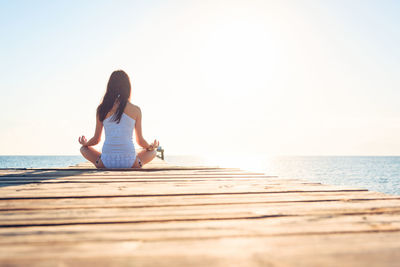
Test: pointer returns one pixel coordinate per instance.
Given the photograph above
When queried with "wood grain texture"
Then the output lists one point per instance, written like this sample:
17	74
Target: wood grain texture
190	216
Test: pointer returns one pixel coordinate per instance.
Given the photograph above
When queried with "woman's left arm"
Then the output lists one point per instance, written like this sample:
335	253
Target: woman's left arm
97	135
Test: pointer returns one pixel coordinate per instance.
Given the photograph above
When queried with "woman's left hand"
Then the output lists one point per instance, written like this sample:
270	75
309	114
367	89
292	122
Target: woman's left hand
82	140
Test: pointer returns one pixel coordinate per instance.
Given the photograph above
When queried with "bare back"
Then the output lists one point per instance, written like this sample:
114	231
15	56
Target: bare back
131	110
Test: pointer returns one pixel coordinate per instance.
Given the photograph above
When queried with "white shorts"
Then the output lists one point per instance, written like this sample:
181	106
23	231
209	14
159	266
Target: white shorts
118	160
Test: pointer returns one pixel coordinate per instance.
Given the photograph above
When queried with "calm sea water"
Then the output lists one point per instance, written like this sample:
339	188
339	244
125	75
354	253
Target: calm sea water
380	174
39	161
376	173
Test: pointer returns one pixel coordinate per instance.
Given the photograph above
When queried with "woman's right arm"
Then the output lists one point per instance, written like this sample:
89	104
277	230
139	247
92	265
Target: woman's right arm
139	135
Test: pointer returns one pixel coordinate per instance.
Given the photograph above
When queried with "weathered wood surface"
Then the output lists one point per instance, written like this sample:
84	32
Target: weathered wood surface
167	215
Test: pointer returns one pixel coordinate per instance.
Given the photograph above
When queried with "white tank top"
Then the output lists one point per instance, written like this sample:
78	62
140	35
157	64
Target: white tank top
118	143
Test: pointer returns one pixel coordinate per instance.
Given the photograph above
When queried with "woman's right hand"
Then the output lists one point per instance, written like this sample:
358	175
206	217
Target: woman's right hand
153	145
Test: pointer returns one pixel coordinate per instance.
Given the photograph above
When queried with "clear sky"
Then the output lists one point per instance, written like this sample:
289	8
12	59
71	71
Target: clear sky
272	77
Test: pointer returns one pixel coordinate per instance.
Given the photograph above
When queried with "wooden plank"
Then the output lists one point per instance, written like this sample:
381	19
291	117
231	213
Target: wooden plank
201	212
145	169
106	190
207	229
123	171
155	180
364	249
194	200
56	174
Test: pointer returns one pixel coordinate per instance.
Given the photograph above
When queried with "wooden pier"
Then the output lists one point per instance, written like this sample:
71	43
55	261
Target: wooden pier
166	215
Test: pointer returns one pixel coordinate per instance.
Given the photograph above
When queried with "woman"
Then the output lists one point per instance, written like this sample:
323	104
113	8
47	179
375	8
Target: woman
118	116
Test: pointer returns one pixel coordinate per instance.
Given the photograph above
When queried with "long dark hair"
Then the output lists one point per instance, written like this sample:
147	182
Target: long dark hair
118	89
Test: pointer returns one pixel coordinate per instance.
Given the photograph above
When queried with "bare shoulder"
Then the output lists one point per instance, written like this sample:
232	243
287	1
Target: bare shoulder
132	110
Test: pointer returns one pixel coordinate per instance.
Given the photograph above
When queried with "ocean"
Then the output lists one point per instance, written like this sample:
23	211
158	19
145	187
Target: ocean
376	173
39	161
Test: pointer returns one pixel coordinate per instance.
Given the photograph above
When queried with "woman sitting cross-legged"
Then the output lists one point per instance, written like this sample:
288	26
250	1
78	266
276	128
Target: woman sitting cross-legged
119	117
